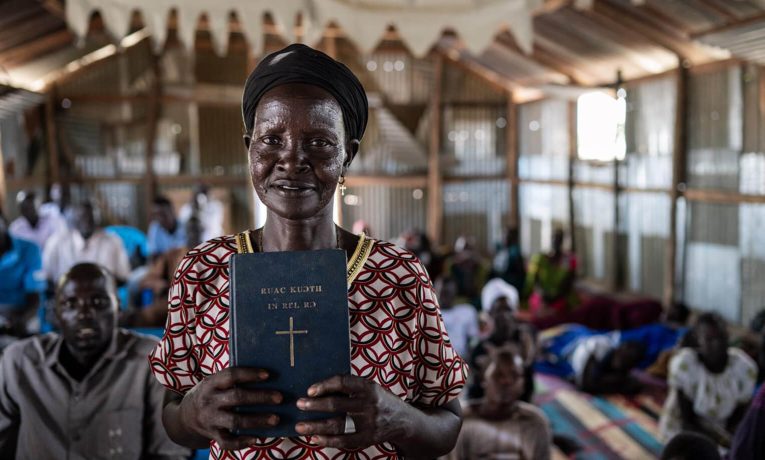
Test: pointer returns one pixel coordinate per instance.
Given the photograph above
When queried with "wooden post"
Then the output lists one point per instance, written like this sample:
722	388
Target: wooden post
572	154
616	255
3	189
511	133
54	169
678	180
155	97
435	189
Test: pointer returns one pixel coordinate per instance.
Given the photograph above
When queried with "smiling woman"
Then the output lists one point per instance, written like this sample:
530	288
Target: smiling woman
304	117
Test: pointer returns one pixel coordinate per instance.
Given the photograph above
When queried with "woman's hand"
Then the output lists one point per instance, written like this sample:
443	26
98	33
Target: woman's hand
378	415
207	410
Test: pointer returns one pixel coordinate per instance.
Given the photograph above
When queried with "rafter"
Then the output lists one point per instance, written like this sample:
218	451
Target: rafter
42	45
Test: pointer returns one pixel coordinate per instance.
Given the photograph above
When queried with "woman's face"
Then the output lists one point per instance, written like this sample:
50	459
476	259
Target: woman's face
298	150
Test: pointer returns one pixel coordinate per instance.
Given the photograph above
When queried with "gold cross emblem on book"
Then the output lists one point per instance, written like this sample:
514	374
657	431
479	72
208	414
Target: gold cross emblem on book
292	333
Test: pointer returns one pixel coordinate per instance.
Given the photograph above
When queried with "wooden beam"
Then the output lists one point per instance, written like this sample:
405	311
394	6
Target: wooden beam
492	78
54	172
435	186
678	182
54	7
26	51
572	156
3	185
722	197
154	114
511	157
388	181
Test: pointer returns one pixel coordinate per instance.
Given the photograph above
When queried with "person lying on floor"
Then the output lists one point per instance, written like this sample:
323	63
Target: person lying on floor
710	385
500	425
87	392
596	362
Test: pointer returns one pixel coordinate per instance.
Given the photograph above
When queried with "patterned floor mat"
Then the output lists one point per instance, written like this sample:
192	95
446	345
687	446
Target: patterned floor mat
606	428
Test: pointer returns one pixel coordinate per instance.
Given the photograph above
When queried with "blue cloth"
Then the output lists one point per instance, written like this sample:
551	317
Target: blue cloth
20	273
556	350
160	240
132	238
655	339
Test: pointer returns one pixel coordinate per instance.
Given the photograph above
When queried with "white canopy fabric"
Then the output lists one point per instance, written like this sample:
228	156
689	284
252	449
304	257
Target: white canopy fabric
418	22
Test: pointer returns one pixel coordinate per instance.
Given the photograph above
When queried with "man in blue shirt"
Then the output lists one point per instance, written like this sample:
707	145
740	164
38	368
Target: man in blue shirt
21	280
165	232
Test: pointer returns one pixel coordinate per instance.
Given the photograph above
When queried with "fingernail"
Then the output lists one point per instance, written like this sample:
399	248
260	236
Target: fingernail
277	398
273	420
302	403
262	375
312	391
301	428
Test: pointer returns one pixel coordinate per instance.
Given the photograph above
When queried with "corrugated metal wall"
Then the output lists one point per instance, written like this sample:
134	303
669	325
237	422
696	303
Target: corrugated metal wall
387	210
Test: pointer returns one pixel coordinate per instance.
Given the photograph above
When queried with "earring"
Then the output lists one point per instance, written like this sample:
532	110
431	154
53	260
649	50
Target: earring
342	185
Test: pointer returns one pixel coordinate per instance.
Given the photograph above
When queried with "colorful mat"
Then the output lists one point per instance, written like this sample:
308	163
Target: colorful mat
606	428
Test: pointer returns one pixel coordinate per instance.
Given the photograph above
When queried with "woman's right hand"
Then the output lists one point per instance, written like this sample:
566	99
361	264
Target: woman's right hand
208	409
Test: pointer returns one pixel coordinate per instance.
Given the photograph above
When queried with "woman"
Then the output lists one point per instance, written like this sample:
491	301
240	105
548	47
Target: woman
304	115
710	386
550	280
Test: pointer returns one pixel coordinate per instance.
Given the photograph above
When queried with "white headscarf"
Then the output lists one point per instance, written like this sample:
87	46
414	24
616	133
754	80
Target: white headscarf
497	288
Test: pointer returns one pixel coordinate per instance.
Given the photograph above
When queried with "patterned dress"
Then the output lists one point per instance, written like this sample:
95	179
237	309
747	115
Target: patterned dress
398	339
714	396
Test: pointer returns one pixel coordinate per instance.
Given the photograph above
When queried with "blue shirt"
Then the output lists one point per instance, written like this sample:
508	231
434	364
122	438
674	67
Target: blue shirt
160	240
132	238
20	273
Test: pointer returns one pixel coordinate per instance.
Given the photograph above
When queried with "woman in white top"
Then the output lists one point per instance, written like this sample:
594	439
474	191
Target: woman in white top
710	385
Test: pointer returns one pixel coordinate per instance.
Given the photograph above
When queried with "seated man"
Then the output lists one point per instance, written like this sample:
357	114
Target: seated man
21	280
165	231
88	392
85	242
499	425
31	225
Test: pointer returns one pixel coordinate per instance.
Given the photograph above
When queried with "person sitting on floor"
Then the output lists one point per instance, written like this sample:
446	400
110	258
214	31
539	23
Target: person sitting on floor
549	284
88	391
21	281
85	242
691	446
461	320
500	425
710	386
505	331
31	225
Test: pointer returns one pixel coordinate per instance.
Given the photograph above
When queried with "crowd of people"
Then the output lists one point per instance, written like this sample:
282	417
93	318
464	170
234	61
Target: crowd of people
532	317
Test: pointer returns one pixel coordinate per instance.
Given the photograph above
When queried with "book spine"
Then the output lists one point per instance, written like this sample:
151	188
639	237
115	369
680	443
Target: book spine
232	333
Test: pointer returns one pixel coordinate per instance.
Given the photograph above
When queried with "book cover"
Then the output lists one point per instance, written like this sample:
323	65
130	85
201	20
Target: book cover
289	315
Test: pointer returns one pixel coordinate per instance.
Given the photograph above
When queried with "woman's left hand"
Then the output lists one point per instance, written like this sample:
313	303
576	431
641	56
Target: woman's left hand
378	415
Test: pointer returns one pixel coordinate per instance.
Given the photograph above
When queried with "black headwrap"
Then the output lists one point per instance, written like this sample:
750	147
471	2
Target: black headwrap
299	63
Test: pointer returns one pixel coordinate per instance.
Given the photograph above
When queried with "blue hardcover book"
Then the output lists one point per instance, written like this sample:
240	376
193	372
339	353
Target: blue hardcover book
289	315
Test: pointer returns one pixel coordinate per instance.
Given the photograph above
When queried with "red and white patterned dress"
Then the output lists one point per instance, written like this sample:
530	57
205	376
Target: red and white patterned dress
397	337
